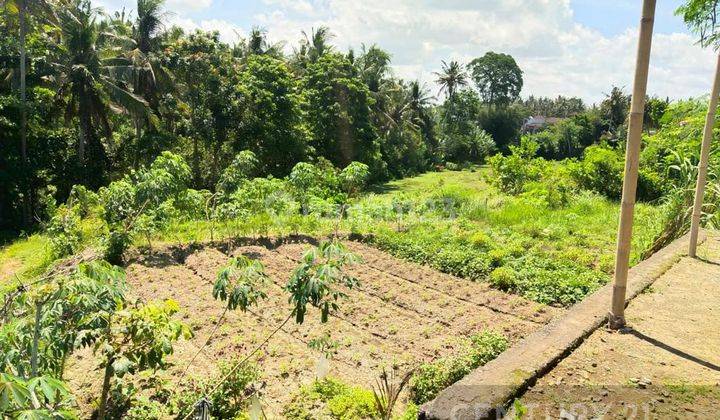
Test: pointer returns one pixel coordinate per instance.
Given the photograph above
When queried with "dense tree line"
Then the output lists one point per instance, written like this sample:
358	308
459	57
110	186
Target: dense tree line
100	95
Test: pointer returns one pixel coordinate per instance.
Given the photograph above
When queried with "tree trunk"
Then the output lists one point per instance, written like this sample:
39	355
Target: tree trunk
84	133
27	204
196	162
632	152
102	407
703	165
138	139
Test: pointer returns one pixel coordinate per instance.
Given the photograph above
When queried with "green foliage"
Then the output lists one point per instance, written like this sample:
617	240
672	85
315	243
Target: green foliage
83	199
431	378
64	231
232	397
243	167
511	173
497	77
136	339
229	400
315	281
43	397
701	17
601	170
354	178
330	398
338	110
239	283
273	124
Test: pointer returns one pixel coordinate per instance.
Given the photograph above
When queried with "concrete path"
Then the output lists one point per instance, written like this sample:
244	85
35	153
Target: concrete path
666	365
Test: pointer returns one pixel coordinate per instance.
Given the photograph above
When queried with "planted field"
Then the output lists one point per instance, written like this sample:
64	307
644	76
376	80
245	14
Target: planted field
401	315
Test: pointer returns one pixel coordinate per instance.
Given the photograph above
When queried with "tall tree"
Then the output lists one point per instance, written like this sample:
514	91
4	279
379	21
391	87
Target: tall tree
451	78
497	77
271	124
339	112
93	84
43	10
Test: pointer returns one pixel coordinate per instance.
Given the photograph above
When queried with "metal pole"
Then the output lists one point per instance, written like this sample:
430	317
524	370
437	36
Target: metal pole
632	152
703	165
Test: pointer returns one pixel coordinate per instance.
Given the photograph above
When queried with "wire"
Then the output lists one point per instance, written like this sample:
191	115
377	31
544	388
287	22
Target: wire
244	360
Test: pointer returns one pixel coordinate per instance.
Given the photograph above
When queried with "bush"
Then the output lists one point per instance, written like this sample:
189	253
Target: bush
503	278
244	166
229	399
115	243
511	173
354	178
331	398
83	199
64	232
600	170
433	377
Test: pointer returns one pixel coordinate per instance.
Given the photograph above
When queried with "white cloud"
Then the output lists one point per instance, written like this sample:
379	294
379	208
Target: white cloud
188	5
229	32
557	55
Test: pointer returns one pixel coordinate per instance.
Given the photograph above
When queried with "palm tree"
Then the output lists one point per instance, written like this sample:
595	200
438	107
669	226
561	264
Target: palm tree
94	85
451	78
317	44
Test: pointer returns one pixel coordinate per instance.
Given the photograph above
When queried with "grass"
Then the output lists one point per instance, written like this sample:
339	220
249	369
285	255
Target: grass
453	221
25	258
457	223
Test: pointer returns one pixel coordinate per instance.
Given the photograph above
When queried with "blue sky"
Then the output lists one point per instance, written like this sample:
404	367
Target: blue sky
569	47
615	16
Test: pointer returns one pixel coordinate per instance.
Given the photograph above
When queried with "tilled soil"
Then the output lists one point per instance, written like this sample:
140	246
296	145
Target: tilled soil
665	365
400	315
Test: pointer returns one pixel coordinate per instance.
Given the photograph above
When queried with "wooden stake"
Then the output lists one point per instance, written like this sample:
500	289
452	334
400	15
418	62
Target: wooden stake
703	165
632	152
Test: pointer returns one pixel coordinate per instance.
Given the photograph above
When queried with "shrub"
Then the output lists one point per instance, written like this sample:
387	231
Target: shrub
331	398
244	166
511	173
433	377
84	199
115	243
600	170
64	232
230	399
503	278
354	177
167	177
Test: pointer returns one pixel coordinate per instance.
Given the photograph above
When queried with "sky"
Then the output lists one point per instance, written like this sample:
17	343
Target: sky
564	47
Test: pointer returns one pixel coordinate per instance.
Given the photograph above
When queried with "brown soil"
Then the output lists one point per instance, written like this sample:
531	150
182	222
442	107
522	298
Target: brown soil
666	365
401	314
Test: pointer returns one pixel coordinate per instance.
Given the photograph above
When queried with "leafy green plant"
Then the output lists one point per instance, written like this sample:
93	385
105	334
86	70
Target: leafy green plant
318	278
431	378
243	167
64	231
135	339
42	397
354	177
330	398
240	283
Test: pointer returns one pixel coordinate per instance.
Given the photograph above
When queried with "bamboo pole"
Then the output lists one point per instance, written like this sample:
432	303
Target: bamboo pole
632	152
703	165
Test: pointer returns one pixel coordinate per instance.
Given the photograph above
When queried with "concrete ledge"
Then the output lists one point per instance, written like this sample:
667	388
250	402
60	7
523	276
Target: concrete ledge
487	391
